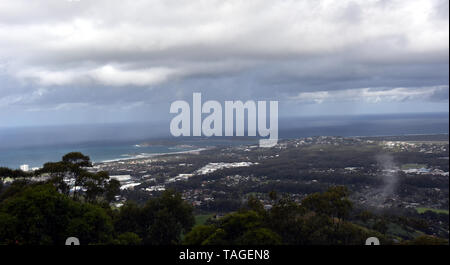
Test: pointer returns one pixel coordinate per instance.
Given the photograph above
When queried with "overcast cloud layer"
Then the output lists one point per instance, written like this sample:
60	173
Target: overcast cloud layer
108	61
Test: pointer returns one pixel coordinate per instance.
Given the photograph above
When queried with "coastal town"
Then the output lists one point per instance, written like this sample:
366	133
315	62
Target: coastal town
402	175
212	176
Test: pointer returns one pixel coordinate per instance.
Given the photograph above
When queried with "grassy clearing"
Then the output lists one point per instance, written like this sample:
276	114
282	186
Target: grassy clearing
201	218
423	209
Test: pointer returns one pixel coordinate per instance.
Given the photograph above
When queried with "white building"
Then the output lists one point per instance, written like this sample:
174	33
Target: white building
25	167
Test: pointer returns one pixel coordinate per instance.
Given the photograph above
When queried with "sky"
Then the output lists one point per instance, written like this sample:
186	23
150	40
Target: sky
79	61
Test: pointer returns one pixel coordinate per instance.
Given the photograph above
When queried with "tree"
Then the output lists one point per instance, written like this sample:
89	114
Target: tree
273	195
112	188
236	224
381	226
287	219
13	173
128	238
16	187
333	203
77	159
166	218
72	165
91	224
243	227
94	183
161	221
8	228
218	237
427	240
254	204
57	172
365	216
318	220
130	219
260	236
40	215
199	234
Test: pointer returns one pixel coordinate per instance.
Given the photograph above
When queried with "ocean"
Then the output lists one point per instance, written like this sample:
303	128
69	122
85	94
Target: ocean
37	145
98	152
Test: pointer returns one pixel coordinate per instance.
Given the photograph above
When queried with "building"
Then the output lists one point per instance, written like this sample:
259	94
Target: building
24	168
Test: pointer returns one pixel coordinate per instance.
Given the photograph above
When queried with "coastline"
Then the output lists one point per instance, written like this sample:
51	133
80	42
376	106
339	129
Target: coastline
144	156
36	157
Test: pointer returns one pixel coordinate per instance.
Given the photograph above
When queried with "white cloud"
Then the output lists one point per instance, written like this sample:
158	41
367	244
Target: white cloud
102	32
46	77
105	75
9	100
371	95
109	75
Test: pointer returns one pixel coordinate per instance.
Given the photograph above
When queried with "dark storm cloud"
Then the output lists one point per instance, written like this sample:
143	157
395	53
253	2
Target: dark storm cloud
59	55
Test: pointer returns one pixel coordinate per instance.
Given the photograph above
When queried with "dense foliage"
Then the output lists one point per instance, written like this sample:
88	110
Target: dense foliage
319	219
48	212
